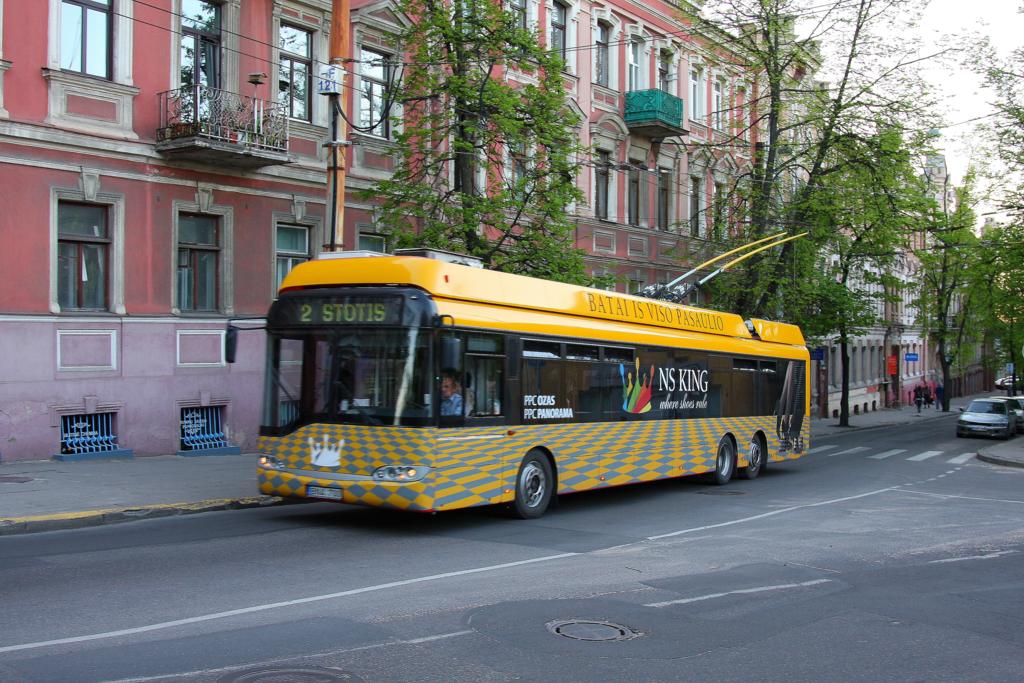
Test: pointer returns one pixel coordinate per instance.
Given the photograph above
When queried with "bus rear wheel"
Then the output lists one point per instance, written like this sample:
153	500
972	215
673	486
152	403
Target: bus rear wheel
755	459
534	486
725	461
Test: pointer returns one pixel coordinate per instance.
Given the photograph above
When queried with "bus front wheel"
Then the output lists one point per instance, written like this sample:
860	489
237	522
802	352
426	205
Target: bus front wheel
534	486
755	459
725	461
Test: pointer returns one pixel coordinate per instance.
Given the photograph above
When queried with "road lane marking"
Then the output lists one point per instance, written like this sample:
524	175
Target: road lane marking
742	591
770	514
855	449
819	449
961	459
948	495
924	456
276	605
887	454
988	556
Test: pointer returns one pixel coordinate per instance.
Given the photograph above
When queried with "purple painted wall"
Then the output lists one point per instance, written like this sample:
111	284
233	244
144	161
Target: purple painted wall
146	388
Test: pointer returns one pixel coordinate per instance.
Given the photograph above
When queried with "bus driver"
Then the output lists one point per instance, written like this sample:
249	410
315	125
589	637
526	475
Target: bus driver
451	394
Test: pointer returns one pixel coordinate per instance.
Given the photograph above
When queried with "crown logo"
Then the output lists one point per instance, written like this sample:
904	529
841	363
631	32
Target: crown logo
322	454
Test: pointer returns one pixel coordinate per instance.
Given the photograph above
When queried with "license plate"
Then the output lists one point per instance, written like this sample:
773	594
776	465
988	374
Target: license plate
323	492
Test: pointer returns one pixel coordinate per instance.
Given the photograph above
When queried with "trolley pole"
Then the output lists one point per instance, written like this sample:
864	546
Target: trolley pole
333	83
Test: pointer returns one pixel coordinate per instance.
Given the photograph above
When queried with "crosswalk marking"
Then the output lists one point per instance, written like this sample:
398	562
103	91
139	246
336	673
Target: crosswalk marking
856	449
957	460
888	454
925	455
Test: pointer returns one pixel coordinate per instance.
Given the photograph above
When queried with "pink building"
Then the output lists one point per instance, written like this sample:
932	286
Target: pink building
162	167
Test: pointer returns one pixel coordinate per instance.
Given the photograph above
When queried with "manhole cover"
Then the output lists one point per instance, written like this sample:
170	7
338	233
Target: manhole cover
306	674
582	629
722	493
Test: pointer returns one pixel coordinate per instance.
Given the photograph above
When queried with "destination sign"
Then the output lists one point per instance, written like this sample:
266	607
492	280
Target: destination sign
653	313
338	310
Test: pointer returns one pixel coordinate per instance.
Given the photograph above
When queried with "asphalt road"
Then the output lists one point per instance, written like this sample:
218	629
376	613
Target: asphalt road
883	555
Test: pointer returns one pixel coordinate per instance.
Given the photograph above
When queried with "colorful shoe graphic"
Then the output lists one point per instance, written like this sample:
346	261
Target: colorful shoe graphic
636	391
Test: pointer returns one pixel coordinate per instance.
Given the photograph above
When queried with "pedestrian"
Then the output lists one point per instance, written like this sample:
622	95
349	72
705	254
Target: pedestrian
918	397
938	396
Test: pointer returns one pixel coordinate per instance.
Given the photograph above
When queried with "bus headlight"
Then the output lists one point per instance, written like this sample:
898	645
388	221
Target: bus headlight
270	462
402	473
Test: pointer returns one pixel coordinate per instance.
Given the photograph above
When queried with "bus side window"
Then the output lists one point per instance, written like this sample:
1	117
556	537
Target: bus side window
483	385
484	381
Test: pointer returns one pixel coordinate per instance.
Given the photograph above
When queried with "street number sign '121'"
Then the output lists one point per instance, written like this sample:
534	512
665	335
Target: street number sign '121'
329	82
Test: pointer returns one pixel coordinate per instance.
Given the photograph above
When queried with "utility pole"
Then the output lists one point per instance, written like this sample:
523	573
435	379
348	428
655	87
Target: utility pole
337	75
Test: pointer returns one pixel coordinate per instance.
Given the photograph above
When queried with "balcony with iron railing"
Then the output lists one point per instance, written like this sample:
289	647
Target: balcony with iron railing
217	127
654	113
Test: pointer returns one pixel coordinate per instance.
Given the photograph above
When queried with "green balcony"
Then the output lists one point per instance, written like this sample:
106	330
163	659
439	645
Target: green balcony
654	113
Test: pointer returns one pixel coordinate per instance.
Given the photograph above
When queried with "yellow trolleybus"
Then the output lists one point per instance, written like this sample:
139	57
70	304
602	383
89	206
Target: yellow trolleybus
414	383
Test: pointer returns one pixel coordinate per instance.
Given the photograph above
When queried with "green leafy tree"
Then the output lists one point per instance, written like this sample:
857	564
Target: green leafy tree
804	118
949	253
485	166
1006	78
993	295
859	216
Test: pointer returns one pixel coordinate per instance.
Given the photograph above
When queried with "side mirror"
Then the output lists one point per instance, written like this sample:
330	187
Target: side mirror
962	409
451	352
230	343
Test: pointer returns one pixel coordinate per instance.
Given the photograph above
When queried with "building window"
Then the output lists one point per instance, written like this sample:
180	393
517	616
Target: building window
695	207
664	193
633	196
198	256
83	245
740	113
292	249
375	76
665	71
637	281
696	94
633	74
603	175
719	105
520	168
373	242
200	43
85	32
603	55
718	210
518	9
559	16
294	82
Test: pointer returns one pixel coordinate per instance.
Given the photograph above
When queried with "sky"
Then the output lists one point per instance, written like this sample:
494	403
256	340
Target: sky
966	99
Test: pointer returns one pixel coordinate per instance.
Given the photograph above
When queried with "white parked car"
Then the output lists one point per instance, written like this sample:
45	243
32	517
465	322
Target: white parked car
987	417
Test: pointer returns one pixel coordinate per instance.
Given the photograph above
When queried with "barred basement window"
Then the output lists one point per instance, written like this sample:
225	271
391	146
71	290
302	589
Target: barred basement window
202	428
90	433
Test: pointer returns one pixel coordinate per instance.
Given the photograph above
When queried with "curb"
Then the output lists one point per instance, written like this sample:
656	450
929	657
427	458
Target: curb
855	428
996	460
10	526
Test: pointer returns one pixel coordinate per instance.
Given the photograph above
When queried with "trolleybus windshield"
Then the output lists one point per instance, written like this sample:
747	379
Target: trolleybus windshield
346	375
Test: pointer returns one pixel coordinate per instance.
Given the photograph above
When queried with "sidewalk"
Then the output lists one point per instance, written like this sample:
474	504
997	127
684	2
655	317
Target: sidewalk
47	495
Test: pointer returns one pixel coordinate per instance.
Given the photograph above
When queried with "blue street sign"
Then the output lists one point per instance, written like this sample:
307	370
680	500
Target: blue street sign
818	353
910	357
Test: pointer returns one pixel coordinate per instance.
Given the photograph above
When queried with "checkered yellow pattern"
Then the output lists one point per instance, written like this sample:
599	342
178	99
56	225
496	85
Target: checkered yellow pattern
478	465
